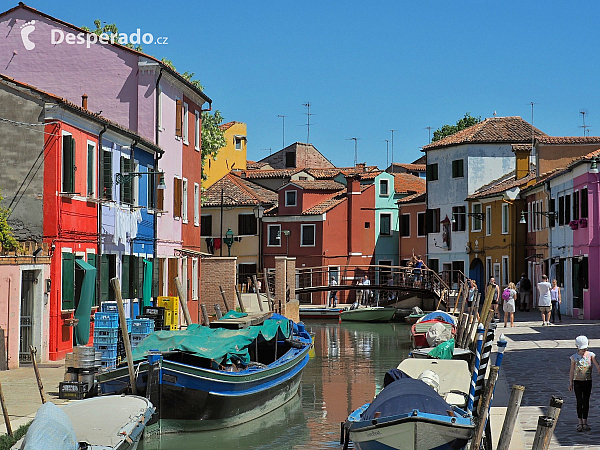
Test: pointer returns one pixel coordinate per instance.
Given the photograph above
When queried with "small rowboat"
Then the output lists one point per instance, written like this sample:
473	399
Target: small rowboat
321	313
369	314
419	330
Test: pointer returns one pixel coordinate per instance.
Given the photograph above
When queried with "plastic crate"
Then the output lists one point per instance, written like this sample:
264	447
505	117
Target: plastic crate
109	307
106	319
106	332
129	324
108	350
105	340
154	311
108	363
142	326
72	390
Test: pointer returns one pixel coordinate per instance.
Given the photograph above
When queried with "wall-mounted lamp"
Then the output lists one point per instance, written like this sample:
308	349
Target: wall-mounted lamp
594	165
478	216
126	177
549	214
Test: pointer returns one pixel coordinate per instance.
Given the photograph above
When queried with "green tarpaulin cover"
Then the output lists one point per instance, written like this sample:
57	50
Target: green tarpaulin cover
234	315
445	350
147	287
218	344
84	307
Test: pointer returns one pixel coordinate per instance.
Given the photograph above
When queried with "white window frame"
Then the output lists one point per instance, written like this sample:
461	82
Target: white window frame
505	218
135	185
391	233
239	139
385	182
278	227
541	220
184	200
94	171
295	198
496	272
529	227
185	130
62	159
409	226
420	214
489	268
197	131
185	281
196	205
488	220
505	270
547	221
302	227
474	219
194	278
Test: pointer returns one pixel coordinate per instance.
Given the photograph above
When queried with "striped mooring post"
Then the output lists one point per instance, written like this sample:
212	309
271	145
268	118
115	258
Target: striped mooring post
483	364
480	331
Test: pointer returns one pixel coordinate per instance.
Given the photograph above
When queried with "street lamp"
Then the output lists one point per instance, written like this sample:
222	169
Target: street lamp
259	211
594	165
126	177
549	214
228	240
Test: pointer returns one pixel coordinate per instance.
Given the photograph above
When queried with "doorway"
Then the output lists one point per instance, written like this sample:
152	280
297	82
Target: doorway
28	280
476	273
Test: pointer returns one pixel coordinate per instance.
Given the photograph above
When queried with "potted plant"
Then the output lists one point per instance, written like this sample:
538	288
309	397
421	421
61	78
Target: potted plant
574	224
583	222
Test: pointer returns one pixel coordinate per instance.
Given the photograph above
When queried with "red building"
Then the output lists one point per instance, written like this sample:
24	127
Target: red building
325	225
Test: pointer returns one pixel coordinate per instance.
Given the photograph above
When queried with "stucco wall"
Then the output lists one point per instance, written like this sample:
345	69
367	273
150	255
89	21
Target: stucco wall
228	156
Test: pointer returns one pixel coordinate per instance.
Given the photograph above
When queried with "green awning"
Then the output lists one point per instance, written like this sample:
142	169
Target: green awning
147	286
86	298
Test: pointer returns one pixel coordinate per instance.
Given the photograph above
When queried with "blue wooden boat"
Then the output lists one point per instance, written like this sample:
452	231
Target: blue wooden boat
409	414
210	378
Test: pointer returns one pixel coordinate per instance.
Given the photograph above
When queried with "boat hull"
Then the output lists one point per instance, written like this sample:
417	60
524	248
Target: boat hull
320	313
379	314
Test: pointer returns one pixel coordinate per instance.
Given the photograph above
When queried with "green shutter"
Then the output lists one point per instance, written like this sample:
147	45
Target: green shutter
126	191
155	276
107	175
125	272
104	278
68	281
68	154
90	170
92	261
136	276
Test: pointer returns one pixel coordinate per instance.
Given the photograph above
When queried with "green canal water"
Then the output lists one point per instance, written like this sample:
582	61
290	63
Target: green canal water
344	372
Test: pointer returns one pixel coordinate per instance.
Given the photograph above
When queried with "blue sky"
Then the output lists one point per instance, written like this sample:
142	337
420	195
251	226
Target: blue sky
368	67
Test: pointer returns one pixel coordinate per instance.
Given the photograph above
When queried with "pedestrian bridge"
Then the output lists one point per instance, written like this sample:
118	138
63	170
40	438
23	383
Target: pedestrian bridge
387	284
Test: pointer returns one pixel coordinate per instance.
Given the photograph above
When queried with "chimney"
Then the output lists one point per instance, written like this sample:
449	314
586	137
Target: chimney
354	216
84	99
522	152
362	166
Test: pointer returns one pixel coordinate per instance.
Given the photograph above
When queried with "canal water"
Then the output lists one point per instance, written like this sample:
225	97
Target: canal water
345	371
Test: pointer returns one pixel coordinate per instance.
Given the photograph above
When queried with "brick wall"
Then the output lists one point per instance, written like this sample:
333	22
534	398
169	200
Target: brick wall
218	271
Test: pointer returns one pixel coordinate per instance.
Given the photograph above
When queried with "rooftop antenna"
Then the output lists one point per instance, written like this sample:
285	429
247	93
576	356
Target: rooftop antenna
585	127
387	153
355	149
393	144
429	128
532	154
308	114
283	117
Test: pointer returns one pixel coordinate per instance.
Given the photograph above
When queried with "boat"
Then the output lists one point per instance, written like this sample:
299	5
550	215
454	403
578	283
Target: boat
458	353
422	406
421	327
368	314
211	378
308	313
413	318
99	423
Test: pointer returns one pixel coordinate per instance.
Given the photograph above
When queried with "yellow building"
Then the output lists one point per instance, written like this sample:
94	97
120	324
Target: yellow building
239	202
232	156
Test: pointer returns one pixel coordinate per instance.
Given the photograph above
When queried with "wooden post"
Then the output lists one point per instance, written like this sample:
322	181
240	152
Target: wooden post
218	312
474	312
183	302
204	315
483	409
512	412
5	413
32	352
554	411
460	290
123	322
260	305
239	297
543	434
268	291
224	299
487	304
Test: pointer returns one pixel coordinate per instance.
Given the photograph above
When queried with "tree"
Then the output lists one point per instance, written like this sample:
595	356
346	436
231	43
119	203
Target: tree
111	30
7	240
461	124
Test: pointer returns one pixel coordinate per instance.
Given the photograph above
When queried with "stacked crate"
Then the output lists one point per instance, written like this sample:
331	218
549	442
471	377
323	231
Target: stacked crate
157	314
140	329
106	336
81	367
171	305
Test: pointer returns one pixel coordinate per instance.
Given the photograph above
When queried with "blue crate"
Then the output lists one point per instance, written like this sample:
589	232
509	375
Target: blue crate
109	307
142	326
108	350
106	320
137	338
108	363
106	332
105	340
129	322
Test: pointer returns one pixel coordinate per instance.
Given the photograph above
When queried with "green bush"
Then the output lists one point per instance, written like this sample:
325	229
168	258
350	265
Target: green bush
6	441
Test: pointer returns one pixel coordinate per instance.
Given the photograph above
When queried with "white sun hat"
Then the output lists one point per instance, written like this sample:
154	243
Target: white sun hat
581	342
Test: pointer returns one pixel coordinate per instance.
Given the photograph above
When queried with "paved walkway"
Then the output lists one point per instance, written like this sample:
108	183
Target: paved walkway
537	357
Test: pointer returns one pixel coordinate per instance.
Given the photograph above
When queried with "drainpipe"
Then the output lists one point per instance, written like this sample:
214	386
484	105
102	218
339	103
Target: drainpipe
157	157
99	253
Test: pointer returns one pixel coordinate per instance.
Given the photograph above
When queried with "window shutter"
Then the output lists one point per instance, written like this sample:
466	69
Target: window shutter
160	199
429	221
161	276
173	266
92	261
90	170
68	184
125	278
68	281
107	175
104	278
178	184
138	277
156	273
178	118
126	186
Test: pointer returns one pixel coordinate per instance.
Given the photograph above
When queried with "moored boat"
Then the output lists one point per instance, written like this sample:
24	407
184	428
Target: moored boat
419	330
310	313
458	353
417	409
369	314
211	378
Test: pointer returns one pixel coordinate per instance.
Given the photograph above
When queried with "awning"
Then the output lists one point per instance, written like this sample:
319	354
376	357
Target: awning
84	307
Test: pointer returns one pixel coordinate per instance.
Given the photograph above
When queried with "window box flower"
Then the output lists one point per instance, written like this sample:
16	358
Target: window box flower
574	224
583	222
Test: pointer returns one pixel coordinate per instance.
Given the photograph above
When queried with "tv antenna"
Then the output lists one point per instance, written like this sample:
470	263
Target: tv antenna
355	139
393	144
308	114
585	127
429	128
283	142
532	129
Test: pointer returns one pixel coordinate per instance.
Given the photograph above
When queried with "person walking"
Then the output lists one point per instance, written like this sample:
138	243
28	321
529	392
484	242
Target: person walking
556	301
545	301
496	297
509	304
359	291
524	292
580	379
333	294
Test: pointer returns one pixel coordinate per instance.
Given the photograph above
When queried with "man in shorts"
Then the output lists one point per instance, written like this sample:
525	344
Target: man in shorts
545	300
496	297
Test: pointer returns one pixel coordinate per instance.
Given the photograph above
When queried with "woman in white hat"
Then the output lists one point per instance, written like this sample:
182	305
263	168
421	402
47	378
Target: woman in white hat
580	378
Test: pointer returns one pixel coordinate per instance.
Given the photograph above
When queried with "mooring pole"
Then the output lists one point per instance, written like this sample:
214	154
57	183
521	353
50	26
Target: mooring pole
470	403
554	411
5	413
123	322
224	299
204	315
543	434
512	412
32	352
183	301
260	305
239	297
483	410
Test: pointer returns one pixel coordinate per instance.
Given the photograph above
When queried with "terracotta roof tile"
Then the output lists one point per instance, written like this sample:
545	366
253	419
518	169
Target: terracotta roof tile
419	197
333	172
253	165
406	183
318	185
325	205
269	173
495	129
237	192
567	140
414	167
227	125
504	183
370	175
